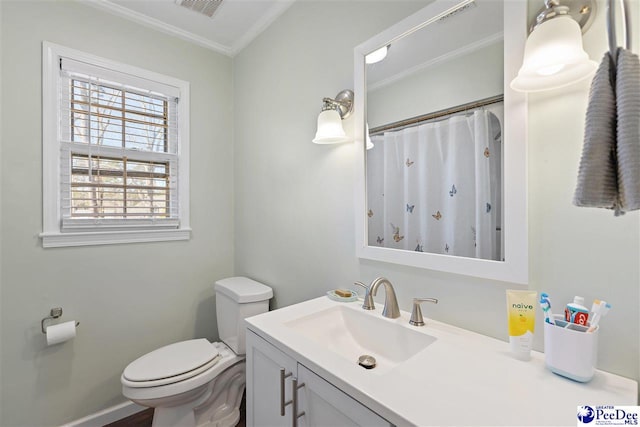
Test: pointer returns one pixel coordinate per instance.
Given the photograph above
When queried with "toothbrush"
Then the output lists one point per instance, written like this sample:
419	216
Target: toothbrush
595	308
545	305
602	309
596	312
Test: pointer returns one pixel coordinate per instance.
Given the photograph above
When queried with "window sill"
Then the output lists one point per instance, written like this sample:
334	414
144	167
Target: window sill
58	240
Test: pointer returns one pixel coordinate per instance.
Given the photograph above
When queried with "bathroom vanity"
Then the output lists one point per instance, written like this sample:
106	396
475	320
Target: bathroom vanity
322	402
303	360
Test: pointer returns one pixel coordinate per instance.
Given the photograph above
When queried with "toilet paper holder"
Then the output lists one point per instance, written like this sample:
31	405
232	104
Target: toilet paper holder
56	312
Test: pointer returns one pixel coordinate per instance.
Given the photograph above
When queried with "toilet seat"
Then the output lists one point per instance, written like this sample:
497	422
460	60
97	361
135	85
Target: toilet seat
174	379
141	390
172	363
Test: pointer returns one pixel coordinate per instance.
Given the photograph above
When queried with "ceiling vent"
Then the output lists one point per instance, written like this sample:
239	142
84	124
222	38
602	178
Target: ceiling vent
204	7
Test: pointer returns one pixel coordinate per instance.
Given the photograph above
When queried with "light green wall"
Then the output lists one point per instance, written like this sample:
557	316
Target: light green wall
294	199
294	219
129	299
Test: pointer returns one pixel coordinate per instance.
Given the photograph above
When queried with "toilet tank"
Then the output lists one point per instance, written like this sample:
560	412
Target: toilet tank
236	299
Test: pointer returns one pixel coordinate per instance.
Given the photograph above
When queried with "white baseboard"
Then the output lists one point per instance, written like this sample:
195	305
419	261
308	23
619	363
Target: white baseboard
107	416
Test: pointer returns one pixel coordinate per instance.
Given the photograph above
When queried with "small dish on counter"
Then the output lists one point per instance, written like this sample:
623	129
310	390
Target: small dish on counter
332	295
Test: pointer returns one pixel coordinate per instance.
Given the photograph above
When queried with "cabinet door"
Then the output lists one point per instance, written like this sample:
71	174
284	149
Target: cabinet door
326	406
264	362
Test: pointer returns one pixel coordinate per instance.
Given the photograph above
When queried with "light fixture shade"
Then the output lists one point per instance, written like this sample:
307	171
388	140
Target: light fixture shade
330	129
377	55
369	144
553	57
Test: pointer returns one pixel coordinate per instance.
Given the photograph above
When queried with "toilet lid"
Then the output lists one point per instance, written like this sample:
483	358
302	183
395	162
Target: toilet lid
173	360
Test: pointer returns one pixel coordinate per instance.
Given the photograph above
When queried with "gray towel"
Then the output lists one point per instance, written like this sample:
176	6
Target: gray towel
628	135
597	177
609	174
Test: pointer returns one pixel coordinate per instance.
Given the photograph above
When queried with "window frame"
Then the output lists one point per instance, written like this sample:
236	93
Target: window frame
53	234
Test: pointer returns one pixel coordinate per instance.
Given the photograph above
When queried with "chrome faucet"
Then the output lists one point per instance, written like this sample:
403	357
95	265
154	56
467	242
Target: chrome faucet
391	309
416	313
367	302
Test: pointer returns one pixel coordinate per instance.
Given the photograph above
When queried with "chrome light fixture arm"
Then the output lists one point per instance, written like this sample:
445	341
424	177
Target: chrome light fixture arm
581	11
342	103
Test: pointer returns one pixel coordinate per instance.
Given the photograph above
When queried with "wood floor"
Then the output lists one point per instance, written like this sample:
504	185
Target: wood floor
145	418
140	419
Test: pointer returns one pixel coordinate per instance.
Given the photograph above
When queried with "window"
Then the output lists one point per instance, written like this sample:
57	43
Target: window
115	152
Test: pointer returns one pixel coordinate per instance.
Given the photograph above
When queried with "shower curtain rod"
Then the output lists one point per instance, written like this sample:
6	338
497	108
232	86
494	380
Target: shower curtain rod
436	114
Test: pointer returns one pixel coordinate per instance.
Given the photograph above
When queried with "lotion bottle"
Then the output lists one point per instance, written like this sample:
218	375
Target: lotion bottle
521	316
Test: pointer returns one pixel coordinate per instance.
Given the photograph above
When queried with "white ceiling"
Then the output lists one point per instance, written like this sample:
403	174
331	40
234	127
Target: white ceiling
233	26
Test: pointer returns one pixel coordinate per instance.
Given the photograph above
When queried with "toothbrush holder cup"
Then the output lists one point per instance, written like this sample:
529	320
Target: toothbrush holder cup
569	350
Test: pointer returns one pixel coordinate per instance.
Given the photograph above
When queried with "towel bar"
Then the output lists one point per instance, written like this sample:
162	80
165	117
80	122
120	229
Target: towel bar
611	26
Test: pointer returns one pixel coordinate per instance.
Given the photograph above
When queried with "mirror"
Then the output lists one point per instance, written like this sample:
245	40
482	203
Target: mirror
441	141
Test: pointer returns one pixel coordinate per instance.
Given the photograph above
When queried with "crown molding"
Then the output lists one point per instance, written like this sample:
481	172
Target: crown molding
262	24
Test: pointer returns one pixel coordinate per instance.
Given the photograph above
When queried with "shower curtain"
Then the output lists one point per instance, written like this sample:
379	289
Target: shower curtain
439	190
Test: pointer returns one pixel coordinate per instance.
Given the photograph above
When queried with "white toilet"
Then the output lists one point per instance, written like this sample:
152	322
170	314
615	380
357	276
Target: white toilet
195	382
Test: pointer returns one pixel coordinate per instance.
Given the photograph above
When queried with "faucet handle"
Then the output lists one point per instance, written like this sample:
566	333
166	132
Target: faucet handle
416	313
368	299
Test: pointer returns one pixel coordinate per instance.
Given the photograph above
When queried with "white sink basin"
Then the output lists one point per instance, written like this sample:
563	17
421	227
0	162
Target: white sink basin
352	333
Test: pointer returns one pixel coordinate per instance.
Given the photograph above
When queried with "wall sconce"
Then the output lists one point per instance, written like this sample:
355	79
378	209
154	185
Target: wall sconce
553	55
330	129
377	55
368	142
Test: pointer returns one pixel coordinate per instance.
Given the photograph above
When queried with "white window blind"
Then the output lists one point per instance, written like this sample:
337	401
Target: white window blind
118	138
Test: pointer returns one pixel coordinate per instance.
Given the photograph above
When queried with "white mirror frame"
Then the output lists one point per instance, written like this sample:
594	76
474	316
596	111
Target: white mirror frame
515	267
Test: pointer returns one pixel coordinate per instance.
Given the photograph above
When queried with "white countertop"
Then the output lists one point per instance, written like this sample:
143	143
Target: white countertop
463	378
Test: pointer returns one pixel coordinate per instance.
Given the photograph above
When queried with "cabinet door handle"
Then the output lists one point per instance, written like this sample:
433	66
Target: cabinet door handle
294	397
283	404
